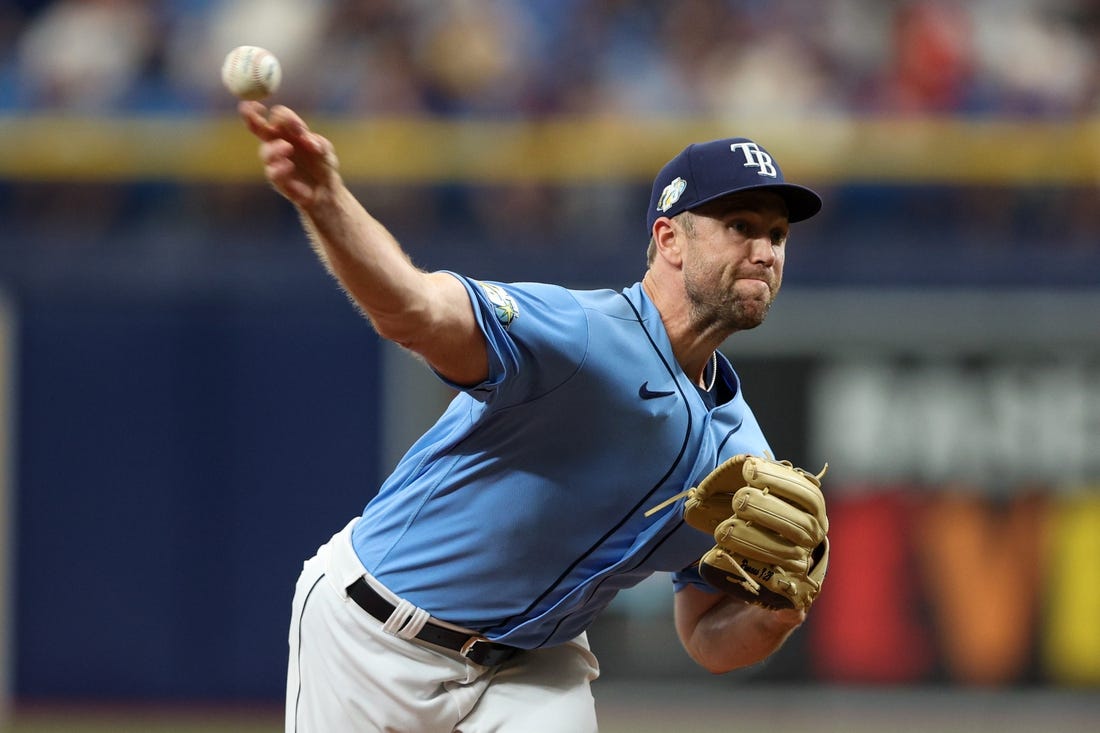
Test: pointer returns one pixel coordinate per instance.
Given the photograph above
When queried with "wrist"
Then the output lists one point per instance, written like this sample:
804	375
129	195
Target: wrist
327	201
782	620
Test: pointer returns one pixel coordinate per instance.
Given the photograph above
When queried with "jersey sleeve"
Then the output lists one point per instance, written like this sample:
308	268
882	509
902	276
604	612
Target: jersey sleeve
537	336
690	576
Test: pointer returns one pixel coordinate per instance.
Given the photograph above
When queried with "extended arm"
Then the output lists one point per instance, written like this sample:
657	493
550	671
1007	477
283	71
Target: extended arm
427	313
722	633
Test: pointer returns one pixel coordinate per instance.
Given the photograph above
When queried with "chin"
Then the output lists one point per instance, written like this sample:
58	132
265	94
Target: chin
748	325
748	316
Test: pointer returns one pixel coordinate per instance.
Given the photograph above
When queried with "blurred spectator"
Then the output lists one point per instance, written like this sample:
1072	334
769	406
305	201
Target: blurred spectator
1038	54
85	55
371	67
475	56
931	65
198	43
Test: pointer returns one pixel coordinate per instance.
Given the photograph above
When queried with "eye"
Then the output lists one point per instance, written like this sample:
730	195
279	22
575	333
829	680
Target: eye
740	226
779	237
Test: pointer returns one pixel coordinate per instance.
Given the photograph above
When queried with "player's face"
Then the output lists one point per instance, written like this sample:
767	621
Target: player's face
733	259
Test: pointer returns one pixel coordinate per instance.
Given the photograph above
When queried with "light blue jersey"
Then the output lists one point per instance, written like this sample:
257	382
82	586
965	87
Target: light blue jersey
521	512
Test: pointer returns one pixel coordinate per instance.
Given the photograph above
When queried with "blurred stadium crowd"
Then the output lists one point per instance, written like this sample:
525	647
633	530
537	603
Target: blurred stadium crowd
537	57
516	60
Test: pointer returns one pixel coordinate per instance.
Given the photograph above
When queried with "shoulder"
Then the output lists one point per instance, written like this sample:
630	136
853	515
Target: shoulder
552	303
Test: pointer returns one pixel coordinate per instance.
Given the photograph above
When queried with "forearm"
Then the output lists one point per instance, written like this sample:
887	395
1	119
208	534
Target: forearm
368	262
428	313
732	634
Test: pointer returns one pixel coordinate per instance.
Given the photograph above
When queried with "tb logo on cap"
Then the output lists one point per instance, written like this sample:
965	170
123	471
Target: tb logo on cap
756	158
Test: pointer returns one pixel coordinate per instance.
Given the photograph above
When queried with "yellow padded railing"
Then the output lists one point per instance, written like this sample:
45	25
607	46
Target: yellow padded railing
581	150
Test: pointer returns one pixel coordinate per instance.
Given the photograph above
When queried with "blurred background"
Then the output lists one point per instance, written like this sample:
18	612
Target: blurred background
189	406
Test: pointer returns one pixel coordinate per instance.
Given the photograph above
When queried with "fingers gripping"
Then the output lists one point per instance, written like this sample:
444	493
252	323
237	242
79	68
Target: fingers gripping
778	518
298	162
791	484
769	511
745	539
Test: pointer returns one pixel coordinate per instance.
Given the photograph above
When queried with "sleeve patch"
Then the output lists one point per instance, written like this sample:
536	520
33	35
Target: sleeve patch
504	305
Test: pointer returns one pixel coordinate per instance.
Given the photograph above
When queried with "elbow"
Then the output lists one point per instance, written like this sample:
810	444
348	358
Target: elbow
403	329
716	669
720	655
719	663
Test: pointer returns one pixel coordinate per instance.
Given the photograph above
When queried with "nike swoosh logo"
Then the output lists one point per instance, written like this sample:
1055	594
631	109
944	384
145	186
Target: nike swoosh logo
649	394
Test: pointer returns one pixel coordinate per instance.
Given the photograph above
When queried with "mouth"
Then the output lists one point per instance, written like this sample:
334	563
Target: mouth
758	284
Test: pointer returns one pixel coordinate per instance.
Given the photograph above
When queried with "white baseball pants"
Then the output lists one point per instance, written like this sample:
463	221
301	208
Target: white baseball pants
347	674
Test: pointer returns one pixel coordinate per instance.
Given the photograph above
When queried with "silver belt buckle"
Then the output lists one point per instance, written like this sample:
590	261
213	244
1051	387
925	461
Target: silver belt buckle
469	645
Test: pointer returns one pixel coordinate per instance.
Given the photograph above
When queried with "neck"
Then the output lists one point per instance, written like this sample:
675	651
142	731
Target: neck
694	348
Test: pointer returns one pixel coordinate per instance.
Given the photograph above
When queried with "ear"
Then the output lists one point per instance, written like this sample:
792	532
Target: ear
668	237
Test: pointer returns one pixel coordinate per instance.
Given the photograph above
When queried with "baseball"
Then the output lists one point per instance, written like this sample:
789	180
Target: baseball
251	72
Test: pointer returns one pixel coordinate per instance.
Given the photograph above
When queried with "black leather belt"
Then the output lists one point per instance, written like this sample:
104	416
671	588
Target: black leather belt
477	649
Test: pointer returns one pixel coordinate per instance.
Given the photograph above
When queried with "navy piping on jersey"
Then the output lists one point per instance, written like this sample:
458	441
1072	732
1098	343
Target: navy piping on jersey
596	588
641	502
725	440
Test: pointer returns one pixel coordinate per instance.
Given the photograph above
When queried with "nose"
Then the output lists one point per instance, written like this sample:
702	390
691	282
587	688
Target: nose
761	251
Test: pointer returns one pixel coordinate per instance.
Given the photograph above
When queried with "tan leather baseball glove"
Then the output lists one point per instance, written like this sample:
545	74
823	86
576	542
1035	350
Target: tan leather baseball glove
769	525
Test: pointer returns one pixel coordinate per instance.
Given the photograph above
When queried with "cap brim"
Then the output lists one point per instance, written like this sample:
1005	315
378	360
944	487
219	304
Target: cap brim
802	202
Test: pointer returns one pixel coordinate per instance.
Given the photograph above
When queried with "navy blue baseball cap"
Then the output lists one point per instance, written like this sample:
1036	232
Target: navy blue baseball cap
707	171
